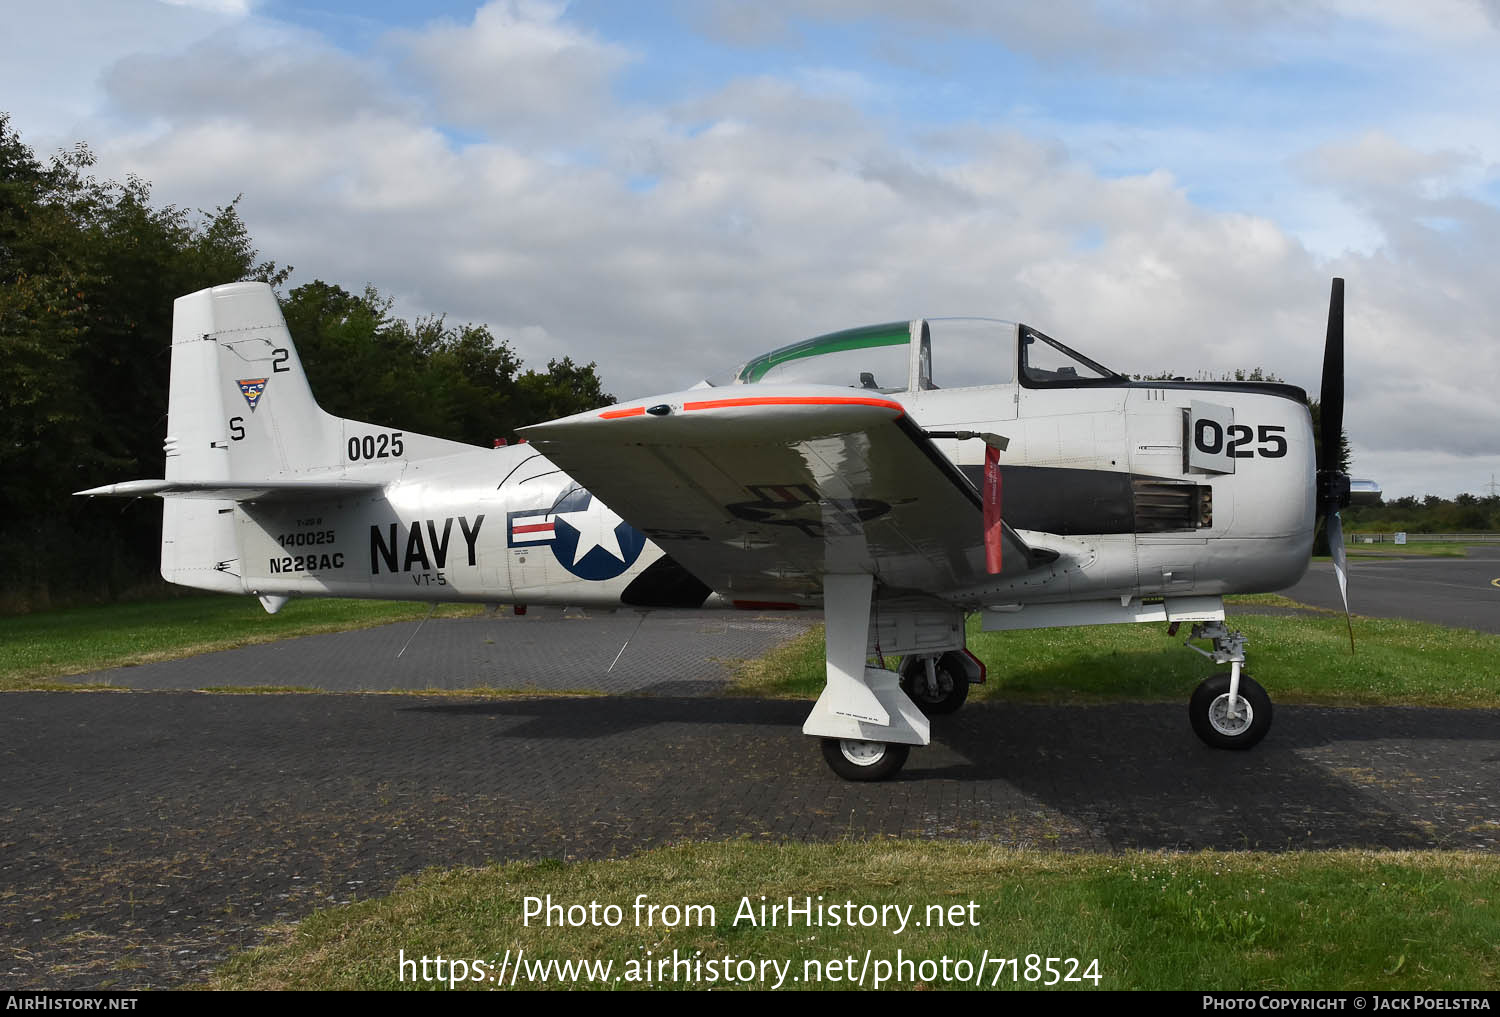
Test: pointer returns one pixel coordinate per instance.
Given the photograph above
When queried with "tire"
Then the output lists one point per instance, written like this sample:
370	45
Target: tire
952	690
1208	708
856	760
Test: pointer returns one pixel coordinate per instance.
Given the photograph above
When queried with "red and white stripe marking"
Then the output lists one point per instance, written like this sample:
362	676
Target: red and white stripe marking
533	529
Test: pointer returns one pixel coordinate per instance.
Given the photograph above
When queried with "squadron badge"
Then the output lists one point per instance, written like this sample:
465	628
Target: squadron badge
252	389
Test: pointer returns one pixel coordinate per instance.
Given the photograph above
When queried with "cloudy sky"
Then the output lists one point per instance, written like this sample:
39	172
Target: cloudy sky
670	187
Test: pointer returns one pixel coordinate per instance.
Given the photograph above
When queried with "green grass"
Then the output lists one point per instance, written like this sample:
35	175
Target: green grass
1299	659
36	649
1297	921
1414	549
1229	921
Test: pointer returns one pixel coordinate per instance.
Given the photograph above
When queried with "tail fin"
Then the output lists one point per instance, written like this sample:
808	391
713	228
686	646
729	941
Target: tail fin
240	408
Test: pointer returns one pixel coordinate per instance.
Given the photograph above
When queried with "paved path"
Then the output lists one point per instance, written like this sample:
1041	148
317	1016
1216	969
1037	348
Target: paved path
144	835
669	653
1447	591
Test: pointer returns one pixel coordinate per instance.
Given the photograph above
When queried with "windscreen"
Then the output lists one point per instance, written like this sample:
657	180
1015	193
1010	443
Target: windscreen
1045	361
967	353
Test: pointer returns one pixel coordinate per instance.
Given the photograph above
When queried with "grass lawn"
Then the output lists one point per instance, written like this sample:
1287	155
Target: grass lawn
1301	658
1335	920
1413	549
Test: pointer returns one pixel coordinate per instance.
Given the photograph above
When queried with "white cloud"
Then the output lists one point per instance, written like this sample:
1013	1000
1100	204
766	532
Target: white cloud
674	241
518	64
54	53
233	7
1152	37
259	75
1375	163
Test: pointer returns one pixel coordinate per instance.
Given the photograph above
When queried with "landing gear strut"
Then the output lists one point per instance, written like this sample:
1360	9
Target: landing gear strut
866	723
1228	711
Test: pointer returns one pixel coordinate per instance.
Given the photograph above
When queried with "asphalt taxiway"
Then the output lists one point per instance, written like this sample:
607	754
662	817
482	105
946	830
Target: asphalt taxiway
145	834
1460	592
681	653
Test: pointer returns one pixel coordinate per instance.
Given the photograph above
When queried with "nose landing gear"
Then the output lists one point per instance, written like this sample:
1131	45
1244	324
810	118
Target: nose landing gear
1227	711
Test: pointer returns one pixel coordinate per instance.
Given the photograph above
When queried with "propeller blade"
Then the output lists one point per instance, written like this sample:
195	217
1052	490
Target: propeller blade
1332	396
1340	568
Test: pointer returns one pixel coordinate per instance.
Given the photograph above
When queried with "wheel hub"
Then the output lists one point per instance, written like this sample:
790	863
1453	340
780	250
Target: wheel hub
862	753
1231	724
934	691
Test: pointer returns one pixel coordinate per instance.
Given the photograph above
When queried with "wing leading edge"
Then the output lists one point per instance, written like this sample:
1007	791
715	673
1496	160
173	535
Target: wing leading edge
760	496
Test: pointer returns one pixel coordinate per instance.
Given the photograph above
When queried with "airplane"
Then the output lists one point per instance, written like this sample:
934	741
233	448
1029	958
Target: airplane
900	477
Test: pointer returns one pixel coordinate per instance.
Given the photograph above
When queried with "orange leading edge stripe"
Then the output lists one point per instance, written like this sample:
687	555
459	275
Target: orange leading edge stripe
714	404
797	401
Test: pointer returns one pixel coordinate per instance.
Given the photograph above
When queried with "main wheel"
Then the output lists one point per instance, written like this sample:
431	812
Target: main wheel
857	760
952	684
1216	725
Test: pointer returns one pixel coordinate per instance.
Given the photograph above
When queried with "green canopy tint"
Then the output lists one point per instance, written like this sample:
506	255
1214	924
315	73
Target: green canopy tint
893	333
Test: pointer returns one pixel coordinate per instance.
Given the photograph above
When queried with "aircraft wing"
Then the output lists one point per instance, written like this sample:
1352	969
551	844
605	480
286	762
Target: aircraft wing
761	490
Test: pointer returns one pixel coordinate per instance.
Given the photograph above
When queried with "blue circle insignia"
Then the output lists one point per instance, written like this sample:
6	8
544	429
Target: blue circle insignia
582	524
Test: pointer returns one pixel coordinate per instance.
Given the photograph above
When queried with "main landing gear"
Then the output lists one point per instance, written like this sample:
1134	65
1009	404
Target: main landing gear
866	722
938	684
860	760
1228	711
868	718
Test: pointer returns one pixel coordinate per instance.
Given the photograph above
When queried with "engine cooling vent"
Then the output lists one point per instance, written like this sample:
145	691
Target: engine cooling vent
1162	506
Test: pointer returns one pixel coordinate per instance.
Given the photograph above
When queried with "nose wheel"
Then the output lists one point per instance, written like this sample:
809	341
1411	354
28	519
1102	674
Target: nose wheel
1230	725
1228	711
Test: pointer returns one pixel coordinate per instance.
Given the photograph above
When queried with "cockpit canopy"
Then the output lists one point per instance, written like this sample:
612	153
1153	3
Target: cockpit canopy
928	353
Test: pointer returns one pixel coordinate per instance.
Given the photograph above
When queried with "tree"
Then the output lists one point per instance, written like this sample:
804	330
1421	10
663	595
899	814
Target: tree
88	272
1430	514
427	376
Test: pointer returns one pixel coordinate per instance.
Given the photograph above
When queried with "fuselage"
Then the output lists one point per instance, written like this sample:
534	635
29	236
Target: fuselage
1126	489
1097	473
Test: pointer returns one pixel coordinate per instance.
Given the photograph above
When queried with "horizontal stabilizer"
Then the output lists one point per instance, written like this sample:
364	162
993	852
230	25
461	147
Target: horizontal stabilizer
236	490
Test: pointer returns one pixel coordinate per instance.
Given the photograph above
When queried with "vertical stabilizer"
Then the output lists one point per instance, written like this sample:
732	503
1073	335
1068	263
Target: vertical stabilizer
240	406
240	409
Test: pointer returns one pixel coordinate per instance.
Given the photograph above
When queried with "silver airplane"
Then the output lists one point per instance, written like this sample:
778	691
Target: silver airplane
899	477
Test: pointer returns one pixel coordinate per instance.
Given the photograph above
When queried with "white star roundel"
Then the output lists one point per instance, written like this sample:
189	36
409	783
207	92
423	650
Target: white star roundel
587	537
